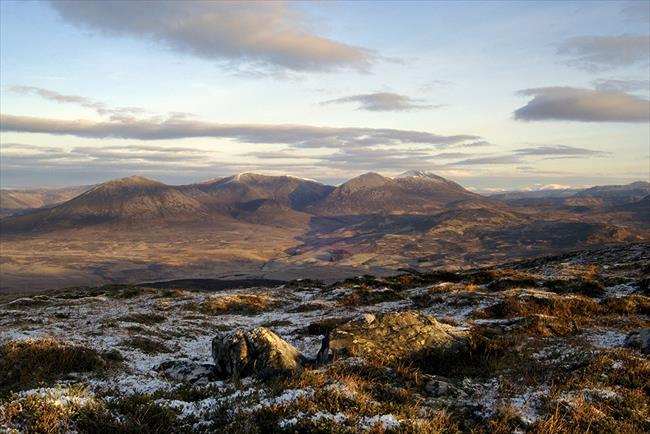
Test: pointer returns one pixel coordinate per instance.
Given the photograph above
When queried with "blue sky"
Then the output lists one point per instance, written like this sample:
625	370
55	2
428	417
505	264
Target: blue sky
494	95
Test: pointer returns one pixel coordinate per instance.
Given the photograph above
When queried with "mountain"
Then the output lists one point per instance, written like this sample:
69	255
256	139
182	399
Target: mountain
605	195
411	192
248	190
281	226
127	200
616	194
23	200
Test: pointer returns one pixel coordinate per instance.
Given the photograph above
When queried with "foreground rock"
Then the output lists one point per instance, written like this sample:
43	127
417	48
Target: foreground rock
392	336
255	352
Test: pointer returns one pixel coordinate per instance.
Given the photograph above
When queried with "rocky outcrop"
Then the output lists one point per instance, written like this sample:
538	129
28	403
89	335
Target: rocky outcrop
391	336
257	352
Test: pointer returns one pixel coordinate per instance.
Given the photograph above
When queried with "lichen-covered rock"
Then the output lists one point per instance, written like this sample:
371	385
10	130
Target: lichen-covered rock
639	339
255	352
391	336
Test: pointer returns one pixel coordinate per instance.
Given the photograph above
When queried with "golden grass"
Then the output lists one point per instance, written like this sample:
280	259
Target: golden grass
238	304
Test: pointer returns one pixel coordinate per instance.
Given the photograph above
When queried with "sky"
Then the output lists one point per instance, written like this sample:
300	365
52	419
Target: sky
493	95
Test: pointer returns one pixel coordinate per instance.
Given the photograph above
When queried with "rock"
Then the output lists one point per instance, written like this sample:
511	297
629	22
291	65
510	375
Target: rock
255	352
639	339
188	371
438	387
393	336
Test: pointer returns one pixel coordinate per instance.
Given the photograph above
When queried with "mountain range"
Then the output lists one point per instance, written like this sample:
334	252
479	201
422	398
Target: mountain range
135	229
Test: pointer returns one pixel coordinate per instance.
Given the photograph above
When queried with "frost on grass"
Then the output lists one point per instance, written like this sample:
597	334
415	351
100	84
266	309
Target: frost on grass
546	353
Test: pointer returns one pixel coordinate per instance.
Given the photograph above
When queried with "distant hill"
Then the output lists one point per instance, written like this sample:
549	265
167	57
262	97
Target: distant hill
127	200
247	189
14	201
278	226
411	192
606	195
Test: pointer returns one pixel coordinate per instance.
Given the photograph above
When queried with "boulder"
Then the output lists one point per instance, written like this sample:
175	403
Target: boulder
187	371
639	339
391	336
255	352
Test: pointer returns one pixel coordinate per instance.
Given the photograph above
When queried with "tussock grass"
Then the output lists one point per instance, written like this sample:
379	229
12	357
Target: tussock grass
27	363
368	297
587	286
136	413
627	305
238	304
513	306
49	411
146	345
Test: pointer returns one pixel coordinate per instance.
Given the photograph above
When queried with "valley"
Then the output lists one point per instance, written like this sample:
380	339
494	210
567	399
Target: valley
281	227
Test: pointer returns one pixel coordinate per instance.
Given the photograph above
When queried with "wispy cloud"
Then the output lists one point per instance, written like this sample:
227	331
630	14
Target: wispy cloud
559	151
622	85
597	53
100	107
383	101
585	105
304	136
481	161
261	35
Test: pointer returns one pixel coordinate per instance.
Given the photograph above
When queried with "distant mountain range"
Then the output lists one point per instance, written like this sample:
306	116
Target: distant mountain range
263	225
605	195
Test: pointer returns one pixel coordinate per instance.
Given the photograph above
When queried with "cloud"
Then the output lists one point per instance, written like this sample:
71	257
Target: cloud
382	101
597	53
14	153
498	159
304	136
99	107
356	159
584	105
559	151
637	10
263	35
622	85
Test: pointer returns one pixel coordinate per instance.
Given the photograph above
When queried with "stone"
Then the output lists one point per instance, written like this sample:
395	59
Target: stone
187	371
391	336
439	387
639	339
257	352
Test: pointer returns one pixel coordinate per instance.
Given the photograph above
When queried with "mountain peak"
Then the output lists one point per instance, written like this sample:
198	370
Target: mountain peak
135	180
419	174
366	180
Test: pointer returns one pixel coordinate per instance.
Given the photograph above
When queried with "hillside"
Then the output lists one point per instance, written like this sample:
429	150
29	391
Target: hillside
411	192
129	200
555	344
16	201
283	227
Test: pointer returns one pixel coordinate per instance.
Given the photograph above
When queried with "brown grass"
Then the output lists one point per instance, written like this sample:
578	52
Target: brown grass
566	307
42	413
368	297
238	304
27	363
628	305
144	344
